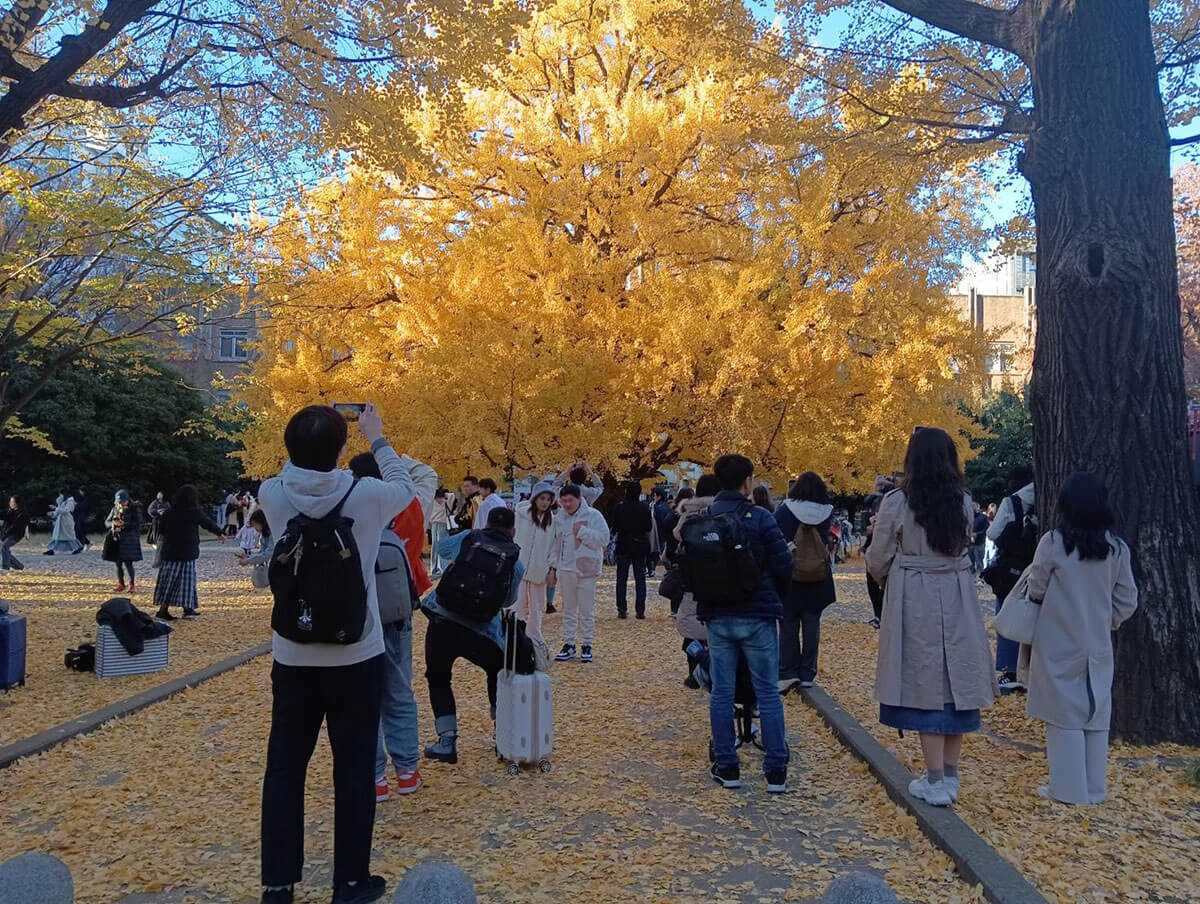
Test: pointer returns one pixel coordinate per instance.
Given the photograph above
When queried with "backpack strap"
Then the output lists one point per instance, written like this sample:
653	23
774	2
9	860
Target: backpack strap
337	509
1018	508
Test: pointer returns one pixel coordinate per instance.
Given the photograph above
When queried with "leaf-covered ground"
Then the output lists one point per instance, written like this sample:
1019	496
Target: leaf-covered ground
1142	844
163	806
59	596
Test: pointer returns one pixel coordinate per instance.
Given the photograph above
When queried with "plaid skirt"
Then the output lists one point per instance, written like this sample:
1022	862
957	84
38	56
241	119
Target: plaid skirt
176	585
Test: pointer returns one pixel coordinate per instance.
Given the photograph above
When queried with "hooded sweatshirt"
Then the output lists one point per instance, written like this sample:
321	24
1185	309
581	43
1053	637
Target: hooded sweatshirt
372	505
589	545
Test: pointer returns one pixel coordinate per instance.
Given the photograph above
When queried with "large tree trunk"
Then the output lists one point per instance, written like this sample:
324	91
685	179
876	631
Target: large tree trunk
1108	392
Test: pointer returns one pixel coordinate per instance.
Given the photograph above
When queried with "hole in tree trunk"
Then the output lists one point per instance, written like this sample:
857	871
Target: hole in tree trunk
1095	260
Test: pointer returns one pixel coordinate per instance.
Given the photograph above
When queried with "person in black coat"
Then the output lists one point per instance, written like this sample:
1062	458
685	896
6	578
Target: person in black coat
123	545
631	524
179	547
85	513
15	524
807	506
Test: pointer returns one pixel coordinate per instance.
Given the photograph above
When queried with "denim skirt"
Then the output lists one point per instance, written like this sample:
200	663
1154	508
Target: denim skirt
948	720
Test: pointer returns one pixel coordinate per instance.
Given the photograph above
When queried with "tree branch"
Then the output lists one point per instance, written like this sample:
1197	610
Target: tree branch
1008	29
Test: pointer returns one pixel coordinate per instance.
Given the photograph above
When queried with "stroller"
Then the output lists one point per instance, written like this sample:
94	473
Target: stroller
745	702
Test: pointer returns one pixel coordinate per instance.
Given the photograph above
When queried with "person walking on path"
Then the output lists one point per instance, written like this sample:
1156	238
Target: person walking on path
539	536
489	500
632	525
16	523
933	674
440	520
123	545
591	487
1014	531
582	539
179	547
804	521
85	512
62	538
1081	574
155	511
336	683
746	628
452	635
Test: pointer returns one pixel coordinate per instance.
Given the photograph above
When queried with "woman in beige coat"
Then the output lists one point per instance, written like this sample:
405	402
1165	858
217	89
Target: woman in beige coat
934	671
1082	575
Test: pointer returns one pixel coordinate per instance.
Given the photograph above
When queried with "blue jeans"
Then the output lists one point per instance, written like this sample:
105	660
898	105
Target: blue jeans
1007	651
757	639
639	582
398	712
437	533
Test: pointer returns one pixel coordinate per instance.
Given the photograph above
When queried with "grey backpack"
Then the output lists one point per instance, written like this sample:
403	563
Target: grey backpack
393	580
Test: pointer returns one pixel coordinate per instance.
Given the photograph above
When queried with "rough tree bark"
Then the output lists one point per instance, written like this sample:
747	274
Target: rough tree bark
1108	393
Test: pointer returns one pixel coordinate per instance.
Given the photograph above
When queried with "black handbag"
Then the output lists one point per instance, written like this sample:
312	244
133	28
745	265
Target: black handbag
112	547
671	586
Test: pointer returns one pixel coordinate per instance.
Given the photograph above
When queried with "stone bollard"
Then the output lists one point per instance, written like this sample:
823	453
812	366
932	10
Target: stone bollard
36	878
859	888
435	882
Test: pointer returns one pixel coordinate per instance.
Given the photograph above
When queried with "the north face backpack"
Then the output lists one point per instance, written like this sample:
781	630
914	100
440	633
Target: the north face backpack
719	562
476	584
810	556
316	579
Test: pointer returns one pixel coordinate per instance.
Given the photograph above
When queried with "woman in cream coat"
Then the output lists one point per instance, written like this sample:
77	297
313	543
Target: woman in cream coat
539	536
934	672
1081	573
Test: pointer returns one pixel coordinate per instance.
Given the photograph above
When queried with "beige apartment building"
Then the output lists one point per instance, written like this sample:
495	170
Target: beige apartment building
1011	316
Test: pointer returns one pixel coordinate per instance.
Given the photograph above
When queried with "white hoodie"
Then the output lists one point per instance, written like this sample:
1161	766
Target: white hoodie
593	537
372	505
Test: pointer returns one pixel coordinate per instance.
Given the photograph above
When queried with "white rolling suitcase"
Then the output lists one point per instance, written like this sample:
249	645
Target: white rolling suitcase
524	716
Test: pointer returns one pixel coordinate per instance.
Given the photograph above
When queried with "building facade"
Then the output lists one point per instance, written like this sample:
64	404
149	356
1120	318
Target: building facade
1010	315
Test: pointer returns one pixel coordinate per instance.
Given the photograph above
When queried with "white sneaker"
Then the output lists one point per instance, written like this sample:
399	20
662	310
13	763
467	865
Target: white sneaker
933	793
952	785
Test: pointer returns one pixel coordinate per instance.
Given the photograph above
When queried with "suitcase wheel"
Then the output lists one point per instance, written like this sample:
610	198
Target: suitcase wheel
544	765
514	769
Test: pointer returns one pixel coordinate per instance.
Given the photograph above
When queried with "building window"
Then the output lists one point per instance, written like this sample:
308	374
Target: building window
234	345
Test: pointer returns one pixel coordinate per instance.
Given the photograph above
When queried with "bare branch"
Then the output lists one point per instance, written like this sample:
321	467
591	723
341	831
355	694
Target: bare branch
1008	29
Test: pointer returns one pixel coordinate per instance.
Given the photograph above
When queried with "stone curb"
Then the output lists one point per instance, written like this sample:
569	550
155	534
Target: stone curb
977	861
52	737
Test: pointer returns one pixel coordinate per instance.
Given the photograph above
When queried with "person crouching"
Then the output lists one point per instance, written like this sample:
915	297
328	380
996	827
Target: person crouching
464	618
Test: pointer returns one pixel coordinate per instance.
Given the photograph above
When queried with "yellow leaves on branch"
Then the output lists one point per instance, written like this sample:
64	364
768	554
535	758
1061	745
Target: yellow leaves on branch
637	250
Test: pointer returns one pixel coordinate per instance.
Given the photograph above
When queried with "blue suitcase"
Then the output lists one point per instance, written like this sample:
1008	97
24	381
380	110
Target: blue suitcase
12	650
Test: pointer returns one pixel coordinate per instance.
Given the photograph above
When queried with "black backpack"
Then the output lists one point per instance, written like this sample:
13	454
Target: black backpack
81	658
316	579
718	559
477	583
1018	541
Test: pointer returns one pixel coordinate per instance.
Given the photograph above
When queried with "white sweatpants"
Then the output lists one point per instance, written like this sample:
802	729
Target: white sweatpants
578	597
1078	764
531	608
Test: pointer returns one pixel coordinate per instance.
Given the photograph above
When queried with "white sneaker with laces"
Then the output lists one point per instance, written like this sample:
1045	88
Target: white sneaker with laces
952	785
933	793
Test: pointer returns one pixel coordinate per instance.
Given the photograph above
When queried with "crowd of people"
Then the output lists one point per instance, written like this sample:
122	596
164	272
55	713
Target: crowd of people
748	579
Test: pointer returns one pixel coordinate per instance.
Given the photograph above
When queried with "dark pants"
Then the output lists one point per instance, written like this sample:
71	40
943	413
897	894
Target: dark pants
446	641
81	526
875	592
639	583
121	566
799	659
1007	651
347	698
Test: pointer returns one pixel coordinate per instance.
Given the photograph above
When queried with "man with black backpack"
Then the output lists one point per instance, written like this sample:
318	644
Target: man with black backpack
327	643
1015	533
737	564
464	618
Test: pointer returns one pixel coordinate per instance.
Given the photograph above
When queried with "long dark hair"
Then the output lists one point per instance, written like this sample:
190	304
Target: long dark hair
708	485
762	498
186	497
1085	517
542	519
933	486
809	487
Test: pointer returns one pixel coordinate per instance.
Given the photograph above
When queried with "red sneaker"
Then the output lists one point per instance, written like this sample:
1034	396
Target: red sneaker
120	588
132	588
381	791
408	782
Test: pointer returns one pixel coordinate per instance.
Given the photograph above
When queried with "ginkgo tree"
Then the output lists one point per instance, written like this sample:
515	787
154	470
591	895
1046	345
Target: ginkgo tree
639	247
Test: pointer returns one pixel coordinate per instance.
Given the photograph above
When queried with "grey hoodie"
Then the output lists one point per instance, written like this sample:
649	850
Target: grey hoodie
372	505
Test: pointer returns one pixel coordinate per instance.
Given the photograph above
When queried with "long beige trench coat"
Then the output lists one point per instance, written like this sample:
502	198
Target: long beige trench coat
933	647
1071	661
